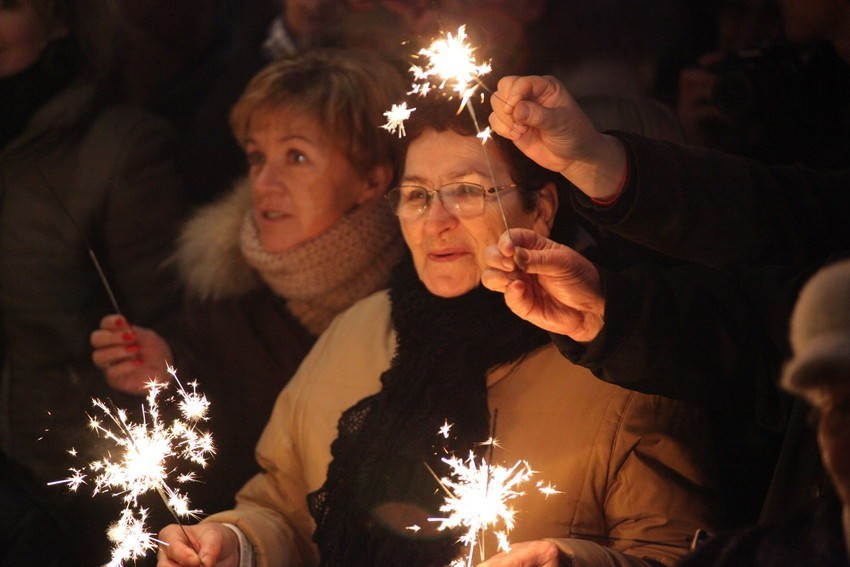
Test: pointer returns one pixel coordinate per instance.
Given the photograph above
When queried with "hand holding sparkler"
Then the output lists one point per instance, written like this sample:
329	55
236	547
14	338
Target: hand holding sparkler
209	544
547	284
546	124
130	356
531	554
143	461
479	496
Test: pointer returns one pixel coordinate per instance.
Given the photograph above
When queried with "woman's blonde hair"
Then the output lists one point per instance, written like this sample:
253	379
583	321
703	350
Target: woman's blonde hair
345	91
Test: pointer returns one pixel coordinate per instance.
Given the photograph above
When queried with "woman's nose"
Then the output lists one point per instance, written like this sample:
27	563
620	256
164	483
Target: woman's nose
264	180
437	217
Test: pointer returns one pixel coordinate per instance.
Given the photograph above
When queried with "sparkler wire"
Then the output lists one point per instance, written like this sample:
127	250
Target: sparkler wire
490	167
82	235
102	275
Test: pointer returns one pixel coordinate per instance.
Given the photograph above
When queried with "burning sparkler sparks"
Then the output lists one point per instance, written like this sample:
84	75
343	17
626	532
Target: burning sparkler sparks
146	461
479	497
396	117
450	67
450	61
130	537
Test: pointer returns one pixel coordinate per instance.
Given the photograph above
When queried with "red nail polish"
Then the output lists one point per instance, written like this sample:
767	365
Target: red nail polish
120	322
128	336
138	361
132	348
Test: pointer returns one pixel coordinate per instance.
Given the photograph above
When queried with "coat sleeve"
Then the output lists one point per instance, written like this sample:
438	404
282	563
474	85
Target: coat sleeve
660	487
690	333
589	554
294	449
725	211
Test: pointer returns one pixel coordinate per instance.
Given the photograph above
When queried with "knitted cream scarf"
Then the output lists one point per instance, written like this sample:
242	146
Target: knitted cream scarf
324	276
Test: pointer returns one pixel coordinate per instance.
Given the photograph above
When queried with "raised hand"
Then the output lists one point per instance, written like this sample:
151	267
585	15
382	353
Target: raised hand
546	283
547	125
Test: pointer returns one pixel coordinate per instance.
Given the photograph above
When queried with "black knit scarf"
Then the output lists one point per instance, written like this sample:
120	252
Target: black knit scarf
378	485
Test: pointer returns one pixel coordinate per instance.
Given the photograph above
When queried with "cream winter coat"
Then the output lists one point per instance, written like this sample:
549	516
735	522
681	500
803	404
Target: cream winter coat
632	483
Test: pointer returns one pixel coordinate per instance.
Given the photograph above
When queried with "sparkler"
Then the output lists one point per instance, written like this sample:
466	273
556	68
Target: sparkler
479	496
450	61
145	461
449	67
396	117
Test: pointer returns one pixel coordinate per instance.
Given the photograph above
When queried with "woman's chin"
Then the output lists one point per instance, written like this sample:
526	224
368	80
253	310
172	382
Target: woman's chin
449	287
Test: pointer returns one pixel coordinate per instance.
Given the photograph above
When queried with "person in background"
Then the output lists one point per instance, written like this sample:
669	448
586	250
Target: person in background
778	98
347	451
268	266
78	173
211	161
503	32
640	115
32	532
819	373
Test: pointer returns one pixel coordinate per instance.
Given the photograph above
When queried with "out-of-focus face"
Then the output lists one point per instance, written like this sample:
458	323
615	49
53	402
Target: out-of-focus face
499	26
833	406
811	20
23	36
301	182
448	250
306	18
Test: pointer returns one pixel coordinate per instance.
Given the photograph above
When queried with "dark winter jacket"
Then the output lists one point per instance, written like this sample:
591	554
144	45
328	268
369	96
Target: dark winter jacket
720	337
78	176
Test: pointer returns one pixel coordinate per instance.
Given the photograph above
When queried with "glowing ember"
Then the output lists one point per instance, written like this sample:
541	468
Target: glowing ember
144	460
444	430
130	538
396	117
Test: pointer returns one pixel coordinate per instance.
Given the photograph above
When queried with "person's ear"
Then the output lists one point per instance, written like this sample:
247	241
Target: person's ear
376	183
545	209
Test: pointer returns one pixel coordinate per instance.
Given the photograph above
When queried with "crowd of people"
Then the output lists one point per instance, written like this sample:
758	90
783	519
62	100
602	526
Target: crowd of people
638	284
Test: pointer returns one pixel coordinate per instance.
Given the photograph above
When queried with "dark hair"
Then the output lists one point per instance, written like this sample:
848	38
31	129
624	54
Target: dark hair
443	114
92	40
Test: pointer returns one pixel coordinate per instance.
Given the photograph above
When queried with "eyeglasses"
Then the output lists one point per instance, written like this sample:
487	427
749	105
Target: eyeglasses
462	199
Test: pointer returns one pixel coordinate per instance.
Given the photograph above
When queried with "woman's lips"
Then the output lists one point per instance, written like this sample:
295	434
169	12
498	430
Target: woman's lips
447	255
273	215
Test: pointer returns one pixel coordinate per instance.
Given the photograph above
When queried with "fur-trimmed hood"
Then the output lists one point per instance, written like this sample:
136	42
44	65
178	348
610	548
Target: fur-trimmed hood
208	257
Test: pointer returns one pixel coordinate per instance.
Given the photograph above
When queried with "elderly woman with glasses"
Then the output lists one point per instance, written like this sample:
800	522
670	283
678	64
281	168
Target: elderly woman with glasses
434	367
